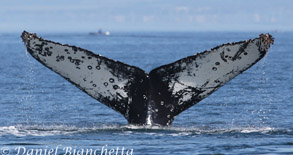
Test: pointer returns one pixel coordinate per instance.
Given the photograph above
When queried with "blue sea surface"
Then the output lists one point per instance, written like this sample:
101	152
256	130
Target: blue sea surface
41	111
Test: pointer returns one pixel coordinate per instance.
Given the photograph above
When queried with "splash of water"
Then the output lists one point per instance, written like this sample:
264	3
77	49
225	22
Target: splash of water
40	130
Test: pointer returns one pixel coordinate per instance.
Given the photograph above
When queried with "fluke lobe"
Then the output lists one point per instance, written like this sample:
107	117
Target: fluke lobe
153	98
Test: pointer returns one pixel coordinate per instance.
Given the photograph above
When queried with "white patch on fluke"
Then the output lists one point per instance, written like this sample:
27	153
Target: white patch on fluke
214	68
88	72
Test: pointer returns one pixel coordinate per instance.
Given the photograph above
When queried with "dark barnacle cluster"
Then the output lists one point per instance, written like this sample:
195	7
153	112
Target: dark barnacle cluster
27	36
267	38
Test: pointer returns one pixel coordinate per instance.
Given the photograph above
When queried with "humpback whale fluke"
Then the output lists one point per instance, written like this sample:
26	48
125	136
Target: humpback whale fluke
156	97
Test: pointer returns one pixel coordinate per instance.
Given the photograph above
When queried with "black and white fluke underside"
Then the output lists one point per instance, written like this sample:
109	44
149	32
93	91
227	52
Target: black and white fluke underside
153	98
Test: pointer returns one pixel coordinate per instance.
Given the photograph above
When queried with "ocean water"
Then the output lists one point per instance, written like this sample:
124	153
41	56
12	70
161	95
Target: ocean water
42	114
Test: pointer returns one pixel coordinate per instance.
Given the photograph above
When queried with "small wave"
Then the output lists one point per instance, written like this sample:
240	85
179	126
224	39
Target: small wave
51	130
206	130
28	130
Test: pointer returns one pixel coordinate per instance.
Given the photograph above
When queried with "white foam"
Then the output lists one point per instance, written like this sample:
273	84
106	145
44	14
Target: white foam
35	130
41	130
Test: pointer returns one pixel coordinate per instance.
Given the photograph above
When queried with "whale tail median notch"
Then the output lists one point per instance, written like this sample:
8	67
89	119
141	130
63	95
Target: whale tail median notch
154	98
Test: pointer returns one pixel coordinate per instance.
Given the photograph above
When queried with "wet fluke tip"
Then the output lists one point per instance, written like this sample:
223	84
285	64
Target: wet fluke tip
28	36
267	38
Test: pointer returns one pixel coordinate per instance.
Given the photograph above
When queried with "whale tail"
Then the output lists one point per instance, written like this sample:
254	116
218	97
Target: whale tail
154	98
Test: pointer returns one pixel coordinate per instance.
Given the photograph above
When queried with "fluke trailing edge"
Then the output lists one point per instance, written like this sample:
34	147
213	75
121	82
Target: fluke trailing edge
148	98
